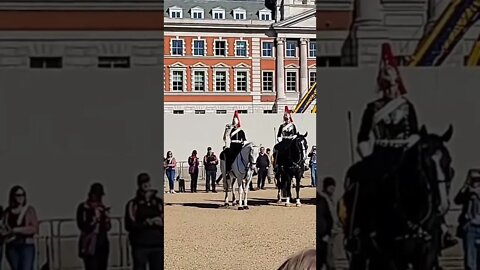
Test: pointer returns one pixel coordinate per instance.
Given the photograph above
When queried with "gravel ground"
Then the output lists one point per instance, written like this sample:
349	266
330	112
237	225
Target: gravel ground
200	235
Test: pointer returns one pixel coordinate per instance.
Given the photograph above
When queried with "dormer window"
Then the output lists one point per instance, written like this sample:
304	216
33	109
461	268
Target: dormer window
265	15
197	13
218	13
176	12
239	14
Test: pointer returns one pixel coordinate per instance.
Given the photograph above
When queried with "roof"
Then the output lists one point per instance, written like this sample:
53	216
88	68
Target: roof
251	6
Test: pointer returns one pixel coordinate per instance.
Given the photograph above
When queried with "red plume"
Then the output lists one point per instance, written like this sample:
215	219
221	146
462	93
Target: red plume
389	61
235	115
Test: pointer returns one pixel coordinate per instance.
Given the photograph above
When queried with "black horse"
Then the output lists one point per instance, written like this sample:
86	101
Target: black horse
290	160
410	203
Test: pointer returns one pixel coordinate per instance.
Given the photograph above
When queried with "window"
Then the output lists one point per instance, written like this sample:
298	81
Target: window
241	81
114	62
241	48
265	15
176	13
267	81
267	49
199	83
220	48
312	77
221	81
198	47
329	61
312	49
291	48
267	111
177	47
178	112
221	111
291	81
46	62
218	14
242	111
197	13
199	111
239	14
177	80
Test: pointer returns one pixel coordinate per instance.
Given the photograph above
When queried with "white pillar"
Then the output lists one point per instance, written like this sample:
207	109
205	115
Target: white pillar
280	82
303	67
367	12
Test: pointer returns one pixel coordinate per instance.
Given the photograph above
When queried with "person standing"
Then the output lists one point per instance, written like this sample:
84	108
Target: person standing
193	164
22	226
93	221
144	223
313	165
469	219
327	223
210	163
263	163
170	167
270	168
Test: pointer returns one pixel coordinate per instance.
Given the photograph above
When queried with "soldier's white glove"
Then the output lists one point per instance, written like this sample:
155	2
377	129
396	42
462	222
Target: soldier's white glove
364	149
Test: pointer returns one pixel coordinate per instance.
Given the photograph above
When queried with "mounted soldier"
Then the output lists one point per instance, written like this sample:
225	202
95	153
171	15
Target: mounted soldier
287	130
389	127
237	138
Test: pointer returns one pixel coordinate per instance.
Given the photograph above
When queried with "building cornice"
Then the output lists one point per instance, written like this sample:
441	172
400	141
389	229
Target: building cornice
81	5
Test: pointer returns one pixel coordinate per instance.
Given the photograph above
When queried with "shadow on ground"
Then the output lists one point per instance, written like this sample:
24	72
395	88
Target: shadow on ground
256	202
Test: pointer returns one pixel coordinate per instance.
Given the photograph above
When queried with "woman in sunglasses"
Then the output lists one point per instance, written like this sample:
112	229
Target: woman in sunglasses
22	225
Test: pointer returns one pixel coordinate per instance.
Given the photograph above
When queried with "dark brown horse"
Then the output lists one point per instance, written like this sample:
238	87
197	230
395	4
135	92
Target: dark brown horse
409	204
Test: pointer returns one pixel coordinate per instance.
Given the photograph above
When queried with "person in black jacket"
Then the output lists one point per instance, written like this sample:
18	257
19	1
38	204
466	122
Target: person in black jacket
326	223
144	222
94	223
263	163
210	162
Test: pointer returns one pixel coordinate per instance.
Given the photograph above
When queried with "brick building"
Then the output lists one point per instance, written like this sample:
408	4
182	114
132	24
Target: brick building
230	55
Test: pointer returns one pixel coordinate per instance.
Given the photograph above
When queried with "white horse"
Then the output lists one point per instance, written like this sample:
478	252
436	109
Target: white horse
240	175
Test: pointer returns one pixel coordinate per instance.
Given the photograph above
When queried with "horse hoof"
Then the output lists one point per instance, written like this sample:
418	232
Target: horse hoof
298	204
279	201
245	207
240	208
287	204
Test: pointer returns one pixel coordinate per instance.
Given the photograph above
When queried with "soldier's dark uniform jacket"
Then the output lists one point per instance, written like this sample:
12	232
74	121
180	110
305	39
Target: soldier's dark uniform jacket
237	138
392	123
287	131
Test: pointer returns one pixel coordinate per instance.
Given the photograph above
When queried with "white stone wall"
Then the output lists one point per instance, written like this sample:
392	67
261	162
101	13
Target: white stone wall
184	133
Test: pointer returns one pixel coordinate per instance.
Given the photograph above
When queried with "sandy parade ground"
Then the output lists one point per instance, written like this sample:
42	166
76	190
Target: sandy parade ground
200	234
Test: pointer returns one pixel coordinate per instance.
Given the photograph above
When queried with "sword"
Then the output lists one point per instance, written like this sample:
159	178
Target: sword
350	135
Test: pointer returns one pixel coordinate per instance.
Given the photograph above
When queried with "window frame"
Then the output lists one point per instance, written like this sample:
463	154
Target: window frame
175	9
205	79
246	48
204	47
215	47
183	46
218	10
273	81
197	10
247	86
296	80
184	87
227	80
272	48
287	49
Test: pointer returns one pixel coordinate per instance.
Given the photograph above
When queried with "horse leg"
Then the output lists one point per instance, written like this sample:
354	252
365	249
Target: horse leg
288	189
247	185
226	189
233	182
240	194
298	179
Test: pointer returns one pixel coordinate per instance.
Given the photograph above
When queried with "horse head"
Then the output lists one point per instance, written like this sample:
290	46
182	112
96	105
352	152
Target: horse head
254	152
436	163
302	144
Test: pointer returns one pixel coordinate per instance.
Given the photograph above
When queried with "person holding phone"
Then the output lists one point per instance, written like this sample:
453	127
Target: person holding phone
93	221
469	220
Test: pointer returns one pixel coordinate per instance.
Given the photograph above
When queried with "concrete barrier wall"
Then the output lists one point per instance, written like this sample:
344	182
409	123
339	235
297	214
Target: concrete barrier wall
184	133
442	96
60	130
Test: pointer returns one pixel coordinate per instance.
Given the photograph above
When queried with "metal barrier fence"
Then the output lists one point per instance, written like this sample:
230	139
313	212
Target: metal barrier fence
62	241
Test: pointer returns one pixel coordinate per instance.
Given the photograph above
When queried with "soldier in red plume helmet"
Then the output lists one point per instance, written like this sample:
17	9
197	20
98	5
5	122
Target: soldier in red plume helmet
287	130
389	126
237	140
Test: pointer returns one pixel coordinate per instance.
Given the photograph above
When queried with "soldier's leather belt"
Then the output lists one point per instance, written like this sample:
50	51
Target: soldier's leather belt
236	141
